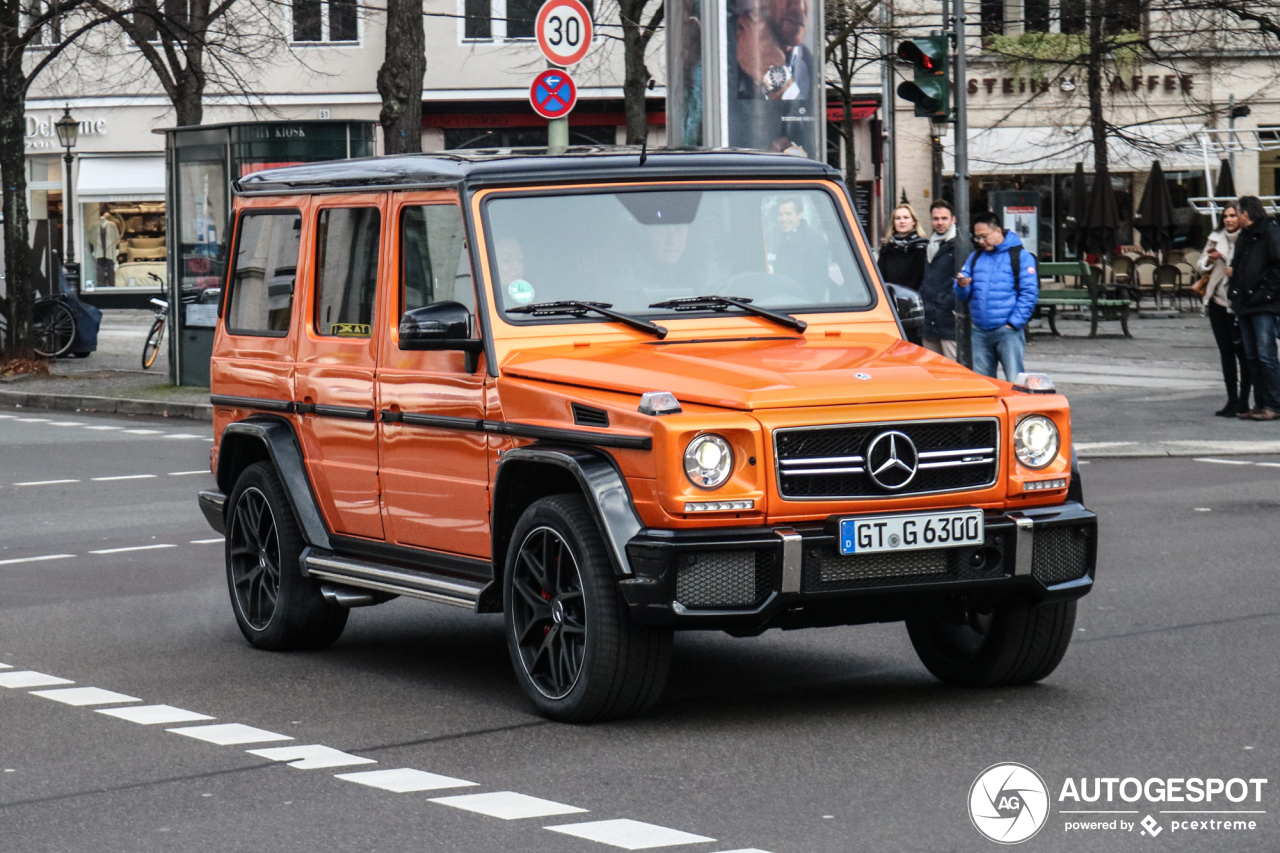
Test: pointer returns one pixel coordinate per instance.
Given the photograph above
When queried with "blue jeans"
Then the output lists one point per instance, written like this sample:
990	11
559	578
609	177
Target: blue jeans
1004	345
1258	337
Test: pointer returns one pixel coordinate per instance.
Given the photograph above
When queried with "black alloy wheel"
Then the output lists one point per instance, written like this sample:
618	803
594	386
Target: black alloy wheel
548	612
255	558
275	605
54	329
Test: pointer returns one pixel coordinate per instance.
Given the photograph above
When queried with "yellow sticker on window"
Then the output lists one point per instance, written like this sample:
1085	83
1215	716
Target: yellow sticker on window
350	330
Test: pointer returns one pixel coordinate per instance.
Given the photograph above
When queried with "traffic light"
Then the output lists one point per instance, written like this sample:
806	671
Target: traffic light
930	87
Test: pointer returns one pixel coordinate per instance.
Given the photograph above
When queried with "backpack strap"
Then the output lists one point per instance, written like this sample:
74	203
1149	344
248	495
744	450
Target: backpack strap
1015	255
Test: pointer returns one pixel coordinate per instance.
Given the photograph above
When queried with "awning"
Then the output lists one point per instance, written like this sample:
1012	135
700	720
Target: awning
120	179
1046	150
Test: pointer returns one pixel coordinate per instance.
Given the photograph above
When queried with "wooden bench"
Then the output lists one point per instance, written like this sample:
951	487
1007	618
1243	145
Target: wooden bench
1102	305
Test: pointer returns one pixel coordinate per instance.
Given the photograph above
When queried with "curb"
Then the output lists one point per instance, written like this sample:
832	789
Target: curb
1153	449
107	405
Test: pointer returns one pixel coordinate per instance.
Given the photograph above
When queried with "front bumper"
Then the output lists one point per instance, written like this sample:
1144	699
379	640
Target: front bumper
747	580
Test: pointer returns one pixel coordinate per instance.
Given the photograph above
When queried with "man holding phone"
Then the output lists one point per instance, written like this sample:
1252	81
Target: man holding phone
1001	285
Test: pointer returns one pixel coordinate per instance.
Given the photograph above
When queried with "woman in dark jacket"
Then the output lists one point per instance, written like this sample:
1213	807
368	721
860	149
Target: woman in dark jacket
902	253
1255	298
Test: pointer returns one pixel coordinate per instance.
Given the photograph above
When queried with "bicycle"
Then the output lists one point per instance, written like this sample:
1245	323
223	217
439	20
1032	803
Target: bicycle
151	349
54	325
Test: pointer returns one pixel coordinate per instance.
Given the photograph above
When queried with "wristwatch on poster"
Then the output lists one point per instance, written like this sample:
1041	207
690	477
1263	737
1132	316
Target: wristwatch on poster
777	77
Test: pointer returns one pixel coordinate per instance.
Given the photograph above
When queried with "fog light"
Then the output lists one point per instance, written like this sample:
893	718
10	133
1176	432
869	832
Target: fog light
719	506
1042	485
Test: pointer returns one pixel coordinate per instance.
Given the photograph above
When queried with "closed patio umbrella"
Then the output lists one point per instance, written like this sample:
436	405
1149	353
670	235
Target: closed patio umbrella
1226	187
1076	210
1101	217
1155	217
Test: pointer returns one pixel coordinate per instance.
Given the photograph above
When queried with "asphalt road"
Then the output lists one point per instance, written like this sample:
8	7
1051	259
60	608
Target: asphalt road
821	740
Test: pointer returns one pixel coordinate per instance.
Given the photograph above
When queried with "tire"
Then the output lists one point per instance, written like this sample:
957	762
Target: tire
54	329
151	349
1017	643
275	606
575	650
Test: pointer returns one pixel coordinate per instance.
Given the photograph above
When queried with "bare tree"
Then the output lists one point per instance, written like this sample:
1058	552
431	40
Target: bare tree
52	25
636	35
400	78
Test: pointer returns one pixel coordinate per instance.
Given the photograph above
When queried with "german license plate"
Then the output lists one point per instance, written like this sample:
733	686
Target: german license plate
878	533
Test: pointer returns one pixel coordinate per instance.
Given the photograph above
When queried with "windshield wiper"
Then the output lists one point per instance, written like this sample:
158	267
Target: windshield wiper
719	303
577	309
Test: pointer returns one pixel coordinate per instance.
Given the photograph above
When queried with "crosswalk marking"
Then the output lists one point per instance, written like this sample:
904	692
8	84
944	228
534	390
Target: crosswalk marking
151	715
83	696
311	757
229	734
507	805
630	834
404	780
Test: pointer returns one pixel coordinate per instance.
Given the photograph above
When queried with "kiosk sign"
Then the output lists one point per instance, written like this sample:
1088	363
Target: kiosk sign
553	94
564	32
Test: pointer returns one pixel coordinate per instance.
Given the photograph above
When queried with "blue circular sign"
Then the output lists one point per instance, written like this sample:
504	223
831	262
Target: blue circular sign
553	93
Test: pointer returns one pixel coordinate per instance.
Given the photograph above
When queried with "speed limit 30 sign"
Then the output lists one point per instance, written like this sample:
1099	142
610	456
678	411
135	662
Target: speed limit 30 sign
564	32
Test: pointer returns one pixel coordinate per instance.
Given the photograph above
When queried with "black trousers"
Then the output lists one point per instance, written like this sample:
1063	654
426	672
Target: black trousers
1227	335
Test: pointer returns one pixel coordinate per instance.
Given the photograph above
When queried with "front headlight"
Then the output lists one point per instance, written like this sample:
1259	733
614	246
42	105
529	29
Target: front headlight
1035	441
708	461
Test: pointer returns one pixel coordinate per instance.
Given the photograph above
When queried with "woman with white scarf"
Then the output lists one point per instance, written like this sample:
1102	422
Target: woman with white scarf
1215	260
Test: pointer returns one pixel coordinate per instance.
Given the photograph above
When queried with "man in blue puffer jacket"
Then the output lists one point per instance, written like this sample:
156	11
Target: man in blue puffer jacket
1001	285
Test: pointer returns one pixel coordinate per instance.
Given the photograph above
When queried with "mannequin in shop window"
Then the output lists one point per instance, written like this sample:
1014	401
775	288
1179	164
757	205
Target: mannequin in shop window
104	242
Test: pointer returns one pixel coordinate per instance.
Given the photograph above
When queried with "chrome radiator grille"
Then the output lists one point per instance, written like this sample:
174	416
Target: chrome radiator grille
871	460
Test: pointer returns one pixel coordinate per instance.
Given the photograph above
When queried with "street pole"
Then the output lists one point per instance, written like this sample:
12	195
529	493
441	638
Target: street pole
964	340
889	169
557	135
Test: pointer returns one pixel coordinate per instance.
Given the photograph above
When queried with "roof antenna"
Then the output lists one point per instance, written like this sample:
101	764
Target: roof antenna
644	149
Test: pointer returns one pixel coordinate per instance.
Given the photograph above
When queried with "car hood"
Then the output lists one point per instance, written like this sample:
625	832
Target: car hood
759	374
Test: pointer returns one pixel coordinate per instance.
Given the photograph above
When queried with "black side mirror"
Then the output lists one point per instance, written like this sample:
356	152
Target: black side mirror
907	304
440	326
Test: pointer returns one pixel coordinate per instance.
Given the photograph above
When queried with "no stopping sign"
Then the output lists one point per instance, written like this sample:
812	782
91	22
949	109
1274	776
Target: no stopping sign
553	93
564	31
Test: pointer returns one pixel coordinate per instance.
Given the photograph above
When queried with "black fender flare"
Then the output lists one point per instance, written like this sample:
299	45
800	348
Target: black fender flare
601	482
281	444
1075	492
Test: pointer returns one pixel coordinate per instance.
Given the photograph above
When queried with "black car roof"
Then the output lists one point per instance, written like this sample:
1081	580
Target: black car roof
513	167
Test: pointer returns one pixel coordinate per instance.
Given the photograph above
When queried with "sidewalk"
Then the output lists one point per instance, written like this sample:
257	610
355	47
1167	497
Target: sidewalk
112	379
1152	395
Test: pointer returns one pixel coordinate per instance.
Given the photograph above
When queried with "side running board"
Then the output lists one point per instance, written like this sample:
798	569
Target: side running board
360	573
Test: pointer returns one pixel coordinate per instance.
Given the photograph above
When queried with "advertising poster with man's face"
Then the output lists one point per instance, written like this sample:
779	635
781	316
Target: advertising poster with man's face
774	76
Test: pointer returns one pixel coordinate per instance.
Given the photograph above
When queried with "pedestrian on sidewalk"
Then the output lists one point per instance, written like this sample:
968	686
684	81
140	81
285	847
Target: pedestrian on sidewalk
939	330
1254	291
1214	260
902	254
1001	285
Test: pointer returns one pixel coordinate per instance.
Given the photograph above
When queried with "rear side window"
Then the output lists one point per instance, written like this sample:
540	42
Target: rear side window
266	268
434	266
346	270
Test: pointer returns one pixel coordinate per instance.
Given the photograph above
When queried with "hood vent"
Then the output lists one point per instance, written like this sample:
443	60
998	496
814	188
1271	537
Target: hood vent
589	416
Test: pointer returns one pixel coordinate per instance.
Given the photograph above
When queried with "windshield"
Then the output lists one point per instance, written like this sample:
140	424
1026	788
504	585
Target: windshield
780	249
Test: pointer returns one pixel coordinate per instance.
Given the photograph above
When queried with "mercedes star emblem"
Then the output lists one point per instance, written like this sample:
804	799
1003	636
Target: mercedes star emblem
892	460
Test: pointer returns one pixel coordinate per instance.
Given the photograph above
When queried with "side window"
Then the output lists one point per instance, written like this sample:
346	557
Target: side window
266	266
346	270
434	266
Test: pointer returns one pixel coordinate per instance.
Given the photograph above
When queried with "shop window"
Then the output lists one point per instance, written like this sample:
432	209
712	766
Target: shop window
48	34
266	267
1035	16
125	244
1073	16
325	21
151	18
347	240
991	14
501	20
434	266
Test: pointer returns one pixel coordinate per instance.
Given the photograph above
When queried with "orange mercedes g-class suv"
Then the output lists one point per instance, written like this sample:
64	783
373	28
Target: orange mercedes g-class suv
611	397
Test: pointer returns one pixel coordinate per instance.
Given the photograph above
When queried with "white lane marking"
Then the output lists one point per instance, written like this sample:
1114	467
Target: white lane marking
747	850
311	757
207	541
5	666
229	734
1267	464
404	780
143	431
507	805
27	678
185	473
150	715
134	548
1222	461
629	834
124	477
183	435
7	417
104	428
45	482
34	420
66	423
35	559
83	696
